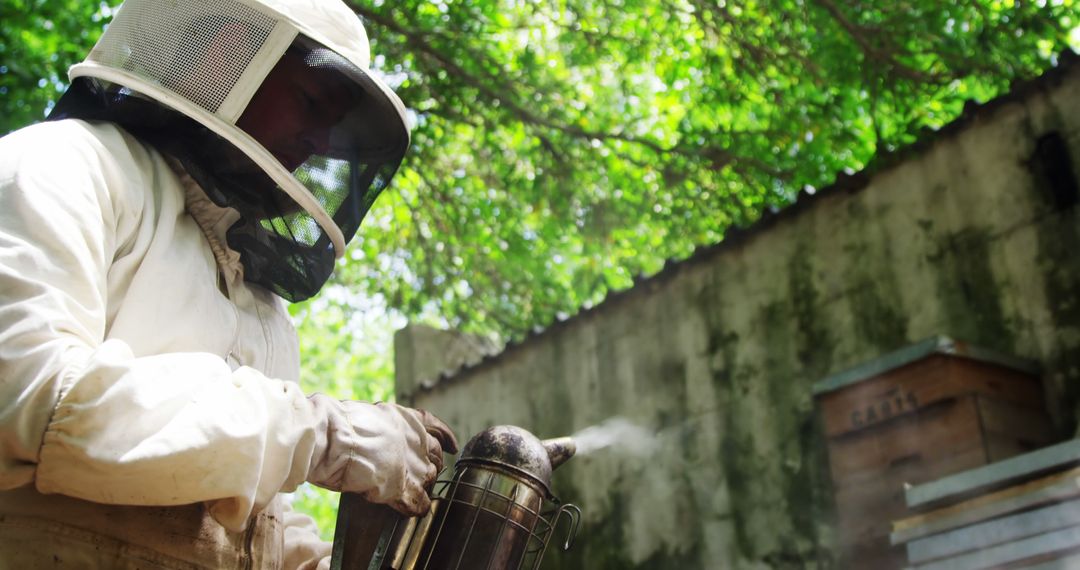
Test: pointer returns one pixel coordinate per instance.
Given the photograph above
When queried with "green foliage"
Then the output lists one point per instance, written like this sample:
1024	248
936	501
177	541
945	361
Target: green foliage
39	40
561	148
344	346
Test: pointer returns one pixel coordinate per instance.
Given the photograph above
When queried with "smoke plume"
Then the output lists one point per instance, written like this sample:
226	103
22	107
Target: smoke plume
620	435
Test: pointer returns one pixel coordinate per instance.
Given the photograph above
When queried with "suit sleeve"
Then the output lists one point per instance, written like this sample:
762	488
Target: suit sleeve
85	417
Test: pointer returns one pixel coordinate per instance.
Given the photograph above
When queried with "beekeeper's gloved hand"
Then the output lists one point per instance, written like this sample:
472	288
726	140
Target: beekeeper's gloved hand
388	454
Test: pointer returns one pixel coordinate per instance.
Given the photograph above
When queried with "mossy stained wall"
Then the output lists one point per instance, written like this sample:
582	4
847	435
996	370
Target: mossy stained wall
969	237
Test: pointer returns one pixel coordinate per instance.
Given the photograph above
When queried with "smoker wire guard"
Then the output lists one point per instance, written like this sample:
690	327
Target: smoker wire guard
537	538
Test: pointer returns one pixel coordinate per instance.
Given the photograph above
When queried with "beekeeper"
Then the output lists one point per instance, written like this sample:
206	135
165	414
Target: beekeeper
210	158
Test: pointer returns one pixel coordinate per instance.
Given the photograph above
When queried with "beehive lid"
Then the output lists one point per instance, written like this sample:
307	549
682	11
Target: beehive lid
931	346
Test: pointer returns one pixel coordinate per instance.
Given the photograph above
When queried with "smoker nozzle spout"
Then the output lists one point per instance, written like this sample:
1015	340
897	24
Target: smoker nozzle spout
559	450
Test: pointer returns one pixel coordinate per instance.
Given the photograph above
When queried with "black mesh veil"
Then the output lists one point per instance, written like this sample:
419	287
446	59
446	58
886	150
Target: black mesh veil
282	246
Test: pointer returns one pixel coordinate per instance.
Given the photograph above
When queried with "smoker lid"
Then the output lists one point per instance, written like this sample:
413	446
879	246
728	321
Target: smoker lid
519	450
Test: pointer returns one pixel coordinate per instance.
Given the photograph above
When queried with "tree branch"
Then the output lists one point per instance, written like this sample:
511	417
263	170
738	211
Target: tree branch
500	94
858	34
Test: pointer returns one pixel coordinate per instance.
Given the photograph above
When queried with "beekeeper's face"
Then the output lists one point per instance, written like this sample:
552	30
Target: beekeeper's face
295	108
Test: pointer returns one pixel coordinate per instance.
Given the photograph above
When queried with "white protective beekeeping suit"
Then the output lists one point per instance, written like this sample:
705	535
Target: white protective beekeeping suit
149	415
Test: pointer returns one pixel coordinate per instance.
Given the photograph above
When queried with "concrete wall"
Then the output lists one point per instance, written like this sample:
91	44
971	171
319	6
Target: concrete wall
967	236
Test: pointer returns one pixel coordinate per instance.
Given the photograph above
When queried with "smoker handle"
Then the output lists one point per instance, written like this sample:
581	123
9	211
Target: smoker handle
574	514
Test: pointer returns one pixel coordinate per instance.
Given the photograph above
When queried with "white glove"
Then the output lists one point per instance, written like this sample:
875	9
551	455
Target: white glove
386	453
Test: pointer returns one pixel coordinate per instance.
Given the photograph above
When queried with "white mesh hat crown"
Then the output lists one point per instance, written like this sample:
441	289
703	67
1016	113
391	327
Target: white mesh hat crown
207	59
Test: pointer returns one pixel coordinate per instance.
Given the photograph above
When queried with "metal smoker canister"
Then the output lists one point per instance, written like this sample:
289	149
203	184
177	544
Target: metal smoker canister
496	512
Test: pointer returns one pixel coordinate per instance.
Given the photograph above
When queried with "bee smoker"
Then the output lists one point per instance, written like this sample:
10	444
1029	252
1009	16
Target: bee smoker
496	512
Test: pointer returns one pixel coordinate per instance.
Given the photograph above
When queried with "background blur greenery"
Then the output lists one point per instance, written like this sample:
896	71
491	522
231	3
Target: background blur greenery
563	147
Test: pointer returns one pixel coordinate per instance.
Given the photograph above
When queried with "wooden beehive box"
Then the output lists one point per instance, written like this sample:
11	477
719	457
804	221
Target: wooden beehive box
918	414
